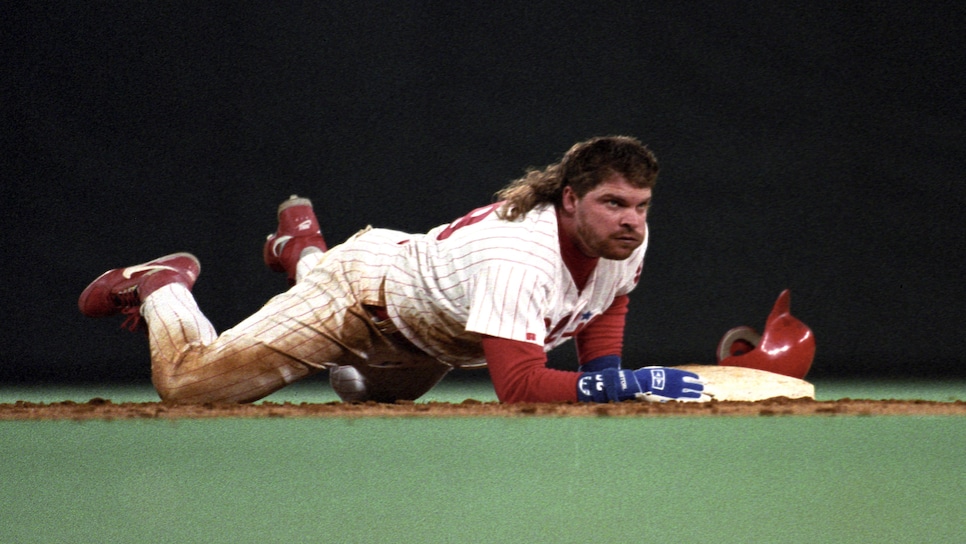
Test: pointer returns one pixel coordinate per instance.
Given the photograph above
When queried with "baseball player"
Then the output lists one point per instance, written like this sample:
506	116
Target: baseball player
389	313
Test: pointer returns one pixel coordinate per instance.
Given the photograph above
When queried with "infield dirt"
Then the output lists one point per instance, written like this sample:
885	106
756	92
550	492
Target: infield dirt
105	409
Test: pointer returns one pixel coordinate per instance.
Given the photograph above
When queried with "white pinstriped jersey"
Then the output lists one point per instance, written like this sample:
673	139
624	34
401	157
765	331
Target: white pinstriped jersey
484	275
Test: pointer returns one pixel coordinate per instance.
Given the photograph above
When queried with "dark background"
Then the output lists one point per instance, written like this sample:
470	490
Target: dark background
818	148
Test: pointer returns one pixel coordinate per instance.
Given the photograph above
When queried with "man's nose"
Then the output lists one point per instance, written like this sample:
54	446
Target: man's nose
634	219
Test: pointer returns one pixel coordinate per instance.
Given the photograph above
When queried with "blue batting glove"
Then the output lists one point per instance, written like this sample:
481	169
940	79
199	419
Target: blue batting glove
608	385
661	384
651	383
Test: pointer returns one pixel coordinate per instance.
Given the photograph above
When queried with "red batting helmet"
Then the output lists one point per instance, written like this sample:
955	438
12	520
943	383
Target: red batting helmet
786	347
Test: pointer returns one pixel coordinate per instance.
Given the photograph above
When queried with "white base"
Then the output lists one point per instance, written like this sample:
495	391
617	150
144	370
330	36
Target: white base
732	383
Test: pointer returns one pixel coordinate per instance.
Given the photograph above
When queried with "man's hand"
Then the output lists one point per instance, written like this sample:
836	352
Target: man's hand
661	384
652	384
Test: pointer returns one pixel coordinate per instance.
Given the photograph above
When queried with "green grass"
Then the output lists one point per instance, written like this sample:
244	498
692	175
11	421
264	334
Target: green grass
807	479
800	479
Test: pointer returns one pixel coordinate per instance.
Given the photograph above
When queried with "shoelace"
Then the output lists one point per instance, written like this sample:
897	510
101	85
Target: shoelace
130	303
133	321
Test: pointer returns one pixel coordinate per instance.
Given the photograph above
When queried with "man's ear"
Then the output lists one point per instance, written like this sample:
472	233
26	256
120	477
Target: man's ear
568	200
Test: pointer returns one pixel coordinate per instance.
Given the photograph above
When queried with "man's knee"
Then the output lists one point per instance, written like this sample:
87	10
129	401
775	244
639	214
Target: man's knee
196	393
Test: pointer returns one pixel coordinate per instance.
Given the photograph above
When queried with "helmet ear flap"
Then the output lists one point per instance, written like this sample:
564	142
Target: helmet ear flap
786	347
737	341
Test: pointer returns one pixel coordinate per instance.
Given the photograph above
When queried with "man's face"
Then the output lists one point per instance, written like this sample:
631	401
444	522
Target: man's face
610	219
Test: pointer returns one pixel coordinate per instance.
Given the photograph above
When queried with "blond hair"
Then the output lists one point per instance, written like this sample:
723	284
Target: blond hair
583	167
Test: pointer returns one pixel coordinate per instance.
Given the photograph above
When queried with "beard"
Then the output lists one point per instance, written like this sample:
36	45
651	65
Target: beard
613	246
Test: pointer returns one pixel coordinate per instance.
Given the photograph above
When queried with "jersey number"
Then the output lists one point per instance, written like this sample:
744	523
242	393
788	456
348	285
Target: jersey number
474	216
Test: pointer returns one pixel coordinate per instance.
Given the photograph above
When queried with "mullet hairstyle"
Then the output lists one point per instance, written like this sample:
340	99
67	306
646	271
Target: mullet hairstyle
585	166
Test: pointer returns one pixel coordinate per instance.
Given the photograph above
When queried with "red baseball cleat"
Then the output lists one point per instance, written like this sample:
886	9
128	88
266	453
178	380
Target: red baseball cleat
122	290
298	229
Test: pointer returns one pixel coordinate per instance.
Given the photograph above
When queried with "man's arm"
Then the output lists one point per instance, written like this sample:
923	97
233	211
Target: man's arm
600	343
519	373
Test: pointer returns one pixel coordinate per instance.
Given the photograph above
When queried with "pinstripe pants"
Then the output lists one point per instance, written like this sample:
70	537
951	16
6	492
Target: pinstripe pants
318	323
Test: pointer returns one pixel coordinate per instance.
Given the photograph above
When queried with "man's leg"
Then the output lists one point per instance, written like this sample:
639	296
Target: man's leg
191	363
295	248
295	334
297	244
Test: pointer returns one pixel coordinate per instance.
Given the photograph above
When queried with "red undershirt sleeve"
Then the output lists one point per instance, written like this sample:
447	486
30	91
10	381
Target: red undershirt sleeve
605	334
519	373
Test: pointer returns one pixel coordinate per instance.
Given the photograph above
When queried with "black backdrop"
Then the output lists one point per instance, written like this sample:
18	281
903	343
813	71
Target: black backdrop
817	148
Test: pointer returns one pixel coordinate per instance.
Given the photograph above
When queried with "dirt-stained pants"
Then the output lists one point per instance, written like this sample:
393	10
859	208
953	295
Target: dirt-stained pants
318	323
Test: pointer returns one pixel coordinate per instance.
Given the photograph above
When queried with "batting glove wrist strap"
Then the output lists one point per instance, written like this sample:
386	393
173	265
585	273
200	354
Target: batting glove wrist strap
609	385
601	363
